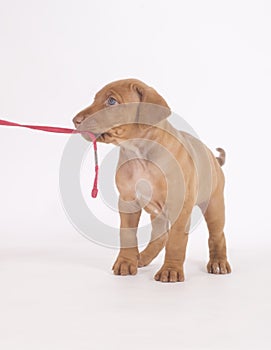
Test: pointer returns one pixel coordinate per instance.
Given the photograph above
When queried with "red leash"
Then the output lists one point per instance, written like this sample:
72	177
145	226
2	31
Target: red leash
58	130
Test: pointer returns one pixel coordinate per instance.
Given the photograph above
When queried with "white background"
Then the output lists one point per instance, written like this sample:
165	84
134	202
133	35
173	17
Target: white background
211	62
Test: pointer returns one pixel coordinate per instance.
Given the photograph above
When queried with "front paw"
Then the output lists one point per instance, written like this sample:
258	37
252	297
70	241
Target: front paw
125	266
218	267
170	273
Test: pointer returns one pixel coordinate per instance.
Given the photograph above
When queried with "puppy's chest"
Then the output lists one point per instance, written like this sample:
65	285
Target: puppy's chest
136	169
140	177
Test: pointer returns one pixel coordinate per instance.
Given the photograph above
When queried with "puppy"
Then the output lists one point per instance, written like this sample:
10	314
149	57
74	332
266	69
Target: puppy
162	170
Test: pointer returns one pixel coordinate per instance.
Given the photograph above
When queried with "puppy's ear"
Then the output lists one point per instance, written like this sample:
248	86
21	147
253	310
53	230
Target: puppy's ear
148	95
152	107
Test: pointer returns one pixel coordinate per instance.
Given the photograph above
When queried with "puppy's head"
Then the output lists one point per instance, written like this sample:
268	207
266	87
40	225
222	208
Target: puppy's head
120	109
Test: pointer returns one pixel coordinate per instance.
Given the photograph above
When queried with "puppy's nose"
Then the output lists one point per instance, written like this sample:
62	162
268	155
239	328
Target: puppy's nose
77	120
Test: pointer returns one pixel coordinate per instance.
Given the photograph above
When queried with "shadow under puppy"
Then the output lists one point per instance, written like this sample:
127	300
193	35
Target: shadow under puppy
162	170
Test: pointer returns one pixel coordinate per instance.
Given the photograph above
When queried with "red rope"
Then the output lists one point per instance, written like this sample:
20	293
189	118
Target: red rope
58	130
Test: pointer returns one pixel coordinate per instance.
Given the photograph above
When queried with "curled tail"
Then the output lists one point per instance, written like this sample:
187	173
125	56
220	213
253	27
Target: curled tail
222	156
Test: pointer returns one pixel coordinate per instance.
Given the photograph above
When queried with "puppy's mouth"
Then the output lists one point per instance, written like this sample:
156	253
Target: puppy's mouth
101	137
104	137
84	132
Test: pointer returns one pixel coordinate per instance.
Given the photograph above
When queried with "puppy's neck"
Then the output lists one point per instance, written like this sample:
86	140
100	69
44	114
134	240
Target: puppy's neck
144	144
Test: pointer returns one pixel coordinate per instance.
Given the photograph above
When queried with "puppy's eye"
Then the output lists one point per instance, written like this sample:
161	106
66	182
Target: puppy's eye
111	101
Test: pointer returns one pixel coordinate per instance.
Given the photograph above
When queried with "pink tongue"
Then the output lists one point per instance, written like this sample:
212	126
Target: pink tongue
58	130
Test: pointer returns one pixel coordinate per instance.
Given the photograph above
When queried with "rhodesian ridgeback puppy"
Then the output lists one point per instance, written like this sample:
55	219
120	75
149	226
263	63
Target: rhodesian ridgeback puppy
162	170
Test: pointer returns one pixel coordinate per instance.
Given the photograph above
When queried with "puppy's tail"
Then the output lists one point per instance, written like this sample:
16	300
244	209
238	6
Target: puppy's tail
222	156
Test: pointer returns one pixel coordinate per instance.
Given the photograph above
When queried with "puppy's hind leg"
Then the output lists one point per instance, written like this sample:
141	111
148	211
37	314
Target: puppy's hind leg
215	218
159	236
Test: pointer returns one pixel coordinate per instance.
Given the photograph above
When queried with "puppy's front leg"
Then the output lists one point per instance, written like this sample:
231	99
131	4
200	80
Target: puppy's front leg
127	260
172	269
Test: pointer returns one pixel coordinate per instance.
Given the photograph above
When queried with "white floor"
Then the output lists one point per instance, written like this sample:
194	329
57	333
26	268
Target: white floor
61	294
